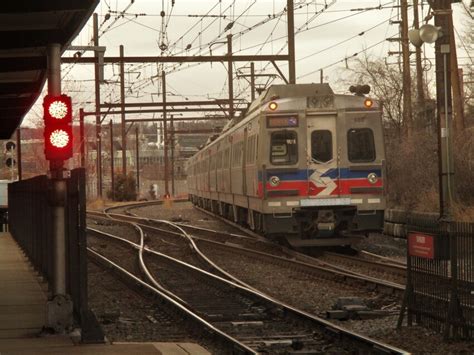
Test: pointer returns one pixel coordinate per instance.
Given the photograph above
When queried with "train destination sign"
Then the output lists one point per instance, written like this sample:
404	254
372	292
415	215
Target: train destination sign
282	122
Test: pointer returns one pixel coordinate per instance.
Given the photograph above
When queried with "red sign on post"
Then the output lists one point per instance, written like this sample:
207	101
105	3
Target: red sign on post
421	245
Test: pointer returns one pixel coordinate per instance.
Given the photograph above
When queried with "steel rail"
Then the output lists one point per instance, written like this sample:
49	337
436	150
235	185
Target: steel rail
327	268
393	268
325	325
202	322
191	243
384	258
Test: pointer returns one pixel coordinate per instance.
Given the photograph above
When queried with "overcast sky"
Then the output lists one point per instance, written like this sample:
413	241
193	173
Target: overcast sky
327	32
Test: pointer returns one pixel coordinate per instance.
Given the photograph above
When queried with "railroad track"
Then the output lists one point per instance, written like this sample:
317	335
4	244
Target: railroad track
242	318
394	272
270	253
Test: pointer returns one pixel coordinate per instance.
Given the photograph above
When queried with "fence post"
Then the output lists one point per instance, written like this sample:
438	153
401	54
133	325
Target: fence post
455	317
90	328
408	294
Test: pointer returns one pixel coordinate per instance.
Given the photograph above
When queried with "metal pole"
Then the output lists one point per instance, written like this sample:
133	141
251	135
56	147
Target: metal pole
291	42
54	69
456	82
442	10
59	184
59	308
122	101
179	59
420	117
165	133
252	81
230	76
321	76
446	154
137	148
172	154
18	152
112	175
82	138
407	113
97	108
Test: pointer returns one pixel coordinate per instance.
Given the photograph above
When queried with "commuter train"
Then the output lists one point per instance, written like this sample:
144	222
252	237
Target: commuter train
303	163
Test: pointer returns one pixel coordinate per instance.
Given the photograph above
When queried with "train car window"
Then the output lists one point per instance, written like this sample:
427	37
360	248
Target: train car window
226	158
321	146
213	162
284	148
219	160
360	145
237	154
240	147
250	149
256	148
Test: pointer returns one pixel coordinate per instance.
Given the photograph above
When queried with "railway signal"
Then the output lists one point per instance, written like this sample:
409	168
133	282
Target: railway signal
9	146
57	127
10	162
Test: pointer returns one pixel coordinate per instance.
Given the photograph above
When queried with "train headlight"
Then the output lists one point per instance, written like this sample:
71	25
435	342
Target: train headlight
274	181
372	177
273	105
368	103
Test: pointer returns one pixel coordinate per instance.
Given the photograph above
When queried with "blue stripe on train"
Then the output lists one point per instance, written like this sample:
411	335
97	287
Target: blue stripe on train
345	173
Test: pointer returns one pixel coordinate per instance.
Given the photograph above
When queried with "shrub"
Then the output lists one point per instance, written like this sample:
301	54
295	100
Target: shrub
124	188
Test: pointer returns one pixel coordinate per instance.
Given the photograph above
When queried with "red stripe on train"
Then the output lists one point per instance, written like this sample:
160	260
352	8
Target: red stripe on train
343	187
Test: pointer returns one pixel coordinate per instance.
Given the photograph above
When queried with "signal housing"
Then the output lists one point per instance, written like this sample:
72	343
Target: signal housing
57	127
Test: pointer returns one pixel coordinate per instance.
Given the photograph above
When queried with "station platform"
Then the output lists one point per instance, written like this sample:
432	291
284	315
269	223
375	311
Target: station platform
22	294
23	297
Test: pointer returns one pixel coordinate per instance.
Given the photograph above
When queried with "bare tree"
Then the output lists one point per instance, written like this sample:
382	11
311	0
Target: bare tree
386	86
467	42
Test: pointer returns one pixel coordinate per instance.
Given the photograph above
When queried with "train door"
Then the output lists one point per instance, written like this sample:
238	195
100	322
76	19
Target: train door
322	154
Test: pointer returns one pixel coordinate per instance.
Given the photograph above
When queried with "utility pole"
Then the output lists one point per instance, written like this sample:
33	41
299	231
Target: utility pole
230	76
137	163
252	81
82	138
291	41
18	153
172	154
165	133
407	111
420	117
97	107
442	11
112	177
122	102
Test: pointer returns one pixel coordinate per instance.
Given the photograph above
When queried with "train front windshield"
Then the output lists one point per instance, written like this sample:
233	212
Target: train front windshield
284	148
360	145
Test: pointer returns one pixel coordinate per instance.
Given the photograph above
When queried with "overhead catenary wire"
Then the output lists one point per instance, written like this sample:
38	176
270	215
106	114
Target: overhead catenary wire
138	85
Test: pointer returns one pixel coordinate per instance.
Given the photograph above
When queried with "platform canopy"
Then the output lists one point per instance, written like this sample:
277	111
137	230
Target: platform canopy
26	29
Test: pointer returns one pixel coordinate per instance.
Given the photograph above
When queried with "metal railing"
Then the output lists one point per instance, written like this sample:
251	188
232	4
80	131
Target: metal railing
440	277
30	221
29	215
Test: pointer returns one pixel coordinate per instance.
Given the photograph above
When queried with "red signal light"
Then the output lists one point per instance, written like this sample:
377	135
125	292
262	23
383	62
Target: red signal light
59	138
57	131
58	143
57	109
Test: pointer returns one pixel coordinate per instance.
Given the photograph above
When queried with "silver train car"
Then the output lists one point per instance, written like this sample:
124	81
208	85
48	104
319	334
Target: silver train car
303	163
